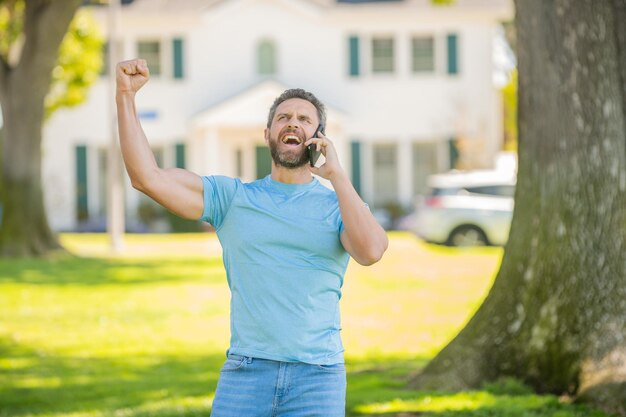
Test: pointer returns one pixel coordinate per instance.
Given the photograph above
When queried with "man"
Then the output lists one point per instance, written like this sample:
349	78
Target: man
286	243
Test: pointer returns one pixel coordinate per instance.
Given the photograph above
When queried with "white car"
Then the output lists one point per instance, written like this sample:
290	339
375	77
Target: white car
467	208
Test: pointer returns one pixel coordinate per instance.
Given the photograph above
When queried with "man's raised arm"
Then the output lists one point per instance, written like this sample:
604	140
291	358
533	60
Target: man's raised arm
363	238
178	190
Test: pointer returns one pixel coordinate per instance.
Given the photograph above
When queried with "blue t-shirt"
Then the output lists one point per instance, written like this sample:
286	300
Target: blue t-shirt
285	266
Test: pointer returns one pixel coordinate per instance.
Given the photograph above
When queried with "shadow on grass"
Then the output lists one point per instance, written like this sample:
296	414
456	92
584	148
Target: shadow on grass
73	270
379	389
183	385
35	384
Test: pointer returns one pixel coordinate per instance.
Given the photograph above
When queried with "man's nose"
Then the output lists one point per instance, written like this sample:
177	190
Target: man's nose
293	124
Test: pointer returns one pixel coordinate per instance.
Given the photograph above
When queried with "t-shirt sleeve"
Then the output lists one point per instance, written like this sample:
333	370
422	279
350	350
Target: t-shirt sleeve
340	224
336	216
219	192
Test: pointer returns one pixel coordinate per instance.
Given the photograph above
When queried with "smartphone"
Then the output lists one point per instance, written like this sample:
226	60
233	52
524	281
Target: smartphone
314	154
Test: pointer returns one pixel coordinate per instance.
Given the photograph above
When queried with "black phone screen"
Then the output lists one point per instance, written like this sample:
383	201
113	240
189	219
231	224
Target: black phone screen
314	154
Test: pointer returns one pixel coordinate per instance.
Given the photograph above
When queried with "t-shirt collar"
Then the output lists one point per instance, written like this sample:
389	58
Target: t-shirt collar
289	188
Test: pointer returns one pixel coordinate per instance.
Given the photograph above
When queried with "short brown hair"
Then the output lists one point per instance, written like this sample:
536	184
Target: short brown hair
298	93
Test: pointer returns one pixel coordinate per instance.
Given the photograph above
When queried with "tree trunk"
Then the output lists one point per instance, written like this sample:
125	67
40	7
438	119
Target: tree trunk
556	315
24	229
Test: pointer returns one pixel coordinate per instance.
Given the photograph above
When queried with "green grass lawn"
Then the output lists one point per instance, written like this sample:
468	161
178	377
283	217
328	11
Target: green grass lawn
144	333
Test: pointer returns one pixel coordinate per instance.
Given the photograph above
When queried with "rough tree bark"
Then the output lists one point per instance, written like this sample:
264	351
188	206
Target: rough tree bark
556	315
24	230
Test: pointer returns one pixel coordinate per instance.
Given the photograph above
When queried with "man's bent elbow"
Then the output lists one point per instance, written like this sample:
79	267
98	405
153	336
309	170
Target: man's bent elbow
374	255
144	187
138	185
144	182
368	260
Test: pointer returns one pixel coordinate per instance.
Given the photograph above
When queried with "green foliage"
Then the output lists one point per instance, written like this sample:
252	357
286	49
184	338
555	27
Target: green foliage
509	95
78	65
144	334
80	54
11	25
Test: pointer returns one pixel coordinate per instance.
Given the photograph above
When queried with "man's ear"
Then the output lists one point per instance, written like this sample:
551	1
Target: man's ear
267	135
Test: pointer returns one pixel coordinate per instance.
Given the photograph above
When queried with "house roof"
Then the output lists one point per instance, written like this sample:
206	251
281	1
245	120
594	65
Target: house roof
195	6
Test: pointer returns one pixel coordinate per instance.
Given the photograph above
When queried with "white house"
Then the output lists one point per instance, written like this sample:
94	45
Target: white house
405	83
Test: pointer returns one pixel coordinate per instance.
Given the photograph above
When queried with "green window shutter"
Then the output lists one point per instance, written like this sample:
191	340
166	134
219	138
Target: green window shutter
82	207
104	70
353	43
453	54
355	148
180	155
453	152
177	48
263	161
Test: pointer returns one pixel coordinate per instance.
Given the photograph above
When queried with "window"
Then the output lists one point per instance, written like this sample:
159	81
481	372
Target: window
165	58
382	55
385	173
151	52
266	58
424	164
423	54
384	156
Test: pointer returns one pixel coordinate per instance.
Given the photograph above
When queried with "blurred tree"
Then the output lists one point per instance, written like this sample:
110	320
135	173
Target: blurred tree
556	315
43	66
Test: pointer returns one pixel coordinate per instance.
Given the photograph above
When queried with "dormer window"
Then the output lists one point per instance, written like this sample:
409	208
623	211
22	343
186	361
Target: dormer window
266	54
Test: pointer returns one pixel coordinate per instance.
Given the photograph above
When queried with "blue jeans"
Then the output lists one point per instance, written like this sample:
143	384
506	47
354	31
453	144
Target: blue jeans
251	387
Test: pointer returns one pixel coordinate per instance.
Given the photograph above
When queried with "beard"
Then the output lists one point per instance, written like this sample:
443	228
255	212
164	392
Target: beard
291	158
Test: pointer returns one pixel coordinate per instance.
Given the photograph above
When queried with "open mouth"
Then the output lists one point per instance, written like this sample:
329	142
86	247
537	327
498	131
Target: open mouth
291	140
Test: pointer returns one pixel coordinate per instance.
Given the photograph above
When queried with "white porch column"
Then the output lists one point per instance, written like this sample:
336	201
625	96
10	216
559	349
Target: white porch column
402	51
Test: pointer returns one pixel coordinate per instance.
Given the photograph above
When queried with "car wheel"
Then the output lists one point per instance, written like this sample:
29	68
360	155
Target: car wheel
467	236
